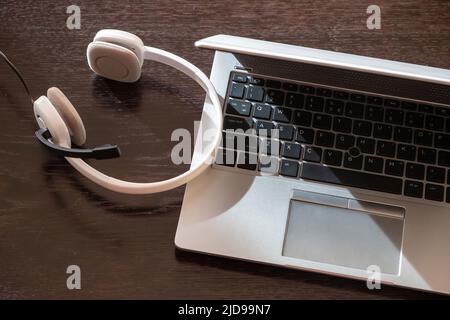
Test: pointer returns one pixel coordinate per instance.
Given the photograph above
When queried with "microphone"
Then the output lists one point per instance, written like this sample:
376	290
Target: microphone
107	151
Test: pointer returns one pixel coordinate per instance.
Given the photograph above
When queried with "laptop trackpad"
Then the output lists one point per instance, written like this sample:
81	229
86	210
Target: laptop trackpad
344	232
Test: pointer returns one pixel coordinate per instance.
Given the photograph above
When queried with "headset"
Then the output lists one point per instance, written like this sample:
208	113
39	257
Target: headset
116	55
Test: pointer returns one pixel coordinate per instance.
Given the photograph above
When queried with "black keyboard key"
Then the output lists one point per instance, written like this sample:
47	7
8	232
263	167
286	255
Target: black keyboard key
302	118
340	95
291	150
434	123
358	97
426	108
362	128
324	92
306	89
240	108
237	77
335	107
374	113
406	152
255	93
262	111
415	171
442	111
312	154
426	155
393	116
282	115
269	146
285	131
344	141
248	161
354	110
256	81
391	103
290	86
289	168
305	135
351	178
366	145
447	198
273	84
442	141
413	189
314	103
226	157
375	100
385	149
394	167
332	157
414	119
408	105
237	90
444	158
424	138
353	162
235	123
275	97
240	142
435	174
373	164
294	100
268	164
382	131
434	192
403	134
264	128
322	121
324	138
447	125
342	124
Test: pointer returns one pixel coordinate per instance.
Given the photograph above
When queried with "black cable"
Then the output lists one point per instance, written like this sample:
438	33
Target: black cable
17	72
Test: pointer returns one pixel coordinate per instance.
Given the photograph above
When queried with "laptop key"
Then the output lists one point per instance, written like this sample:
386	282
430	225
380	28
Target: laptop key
306	89
290	86
374	113
262	111
341	95
282	114
394	167
247	161
426	155
394	116
382	131
335	107
305	135
353	162
424	138
312	154
442	141
442	111
275	97
375	100
226	157
302	118
256	81
314	103
357	97
434	123
434	192
406	152
322	121
373	164
414	119
255	93
391	103
408	105
342	124
291	150
285	131
403	134
344	141
289	168
444	158
237	90
362	128
264	128
354	110
237	77
385	149
413	189
351	178
294	100
324	138
268	164
435	174
273	84
332	157
415	171
235	123
240	108
366	145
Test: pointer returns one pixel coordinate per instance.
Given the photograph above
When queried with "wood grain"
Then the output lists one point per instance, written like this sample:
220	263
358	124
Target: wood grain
51	217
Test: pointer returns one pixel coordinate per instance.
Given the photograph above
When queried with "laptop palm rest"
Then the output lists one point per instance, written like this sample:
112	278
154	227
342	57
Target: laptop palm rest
343	231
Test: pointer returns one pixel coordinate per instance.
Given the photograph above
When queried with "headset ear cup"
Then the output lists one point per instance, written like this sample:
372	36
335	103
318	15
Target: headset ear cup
69	114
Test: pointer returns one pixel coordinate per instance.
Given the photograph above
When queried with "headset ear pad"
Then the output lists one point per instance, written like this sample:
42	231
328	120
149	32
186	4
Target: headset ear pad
69	114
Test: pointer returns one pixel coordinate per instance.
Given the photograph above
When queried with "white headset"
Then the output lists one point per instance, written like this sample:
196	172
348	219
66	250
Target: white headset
119	56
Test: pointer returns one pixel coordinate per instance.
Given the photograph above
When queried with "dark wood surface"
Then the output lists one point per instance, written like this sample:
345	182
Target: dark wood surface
51	217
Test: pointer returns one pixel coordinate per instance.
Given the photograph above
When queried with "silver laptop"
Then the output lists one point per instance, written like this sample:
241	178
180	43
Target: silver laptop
355	179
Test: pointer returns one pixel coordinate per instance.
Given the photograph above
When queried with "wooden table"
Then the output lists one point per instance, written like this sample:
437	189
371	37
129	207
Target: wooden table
51	217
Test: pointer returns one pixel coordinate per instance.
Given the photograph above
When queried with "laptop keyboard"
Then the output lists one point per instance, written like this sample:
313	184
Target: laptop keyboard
337	136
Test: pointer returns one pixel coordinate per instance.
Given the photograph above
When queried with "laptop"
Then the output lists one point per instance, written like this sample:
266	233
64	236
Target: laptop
344	168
